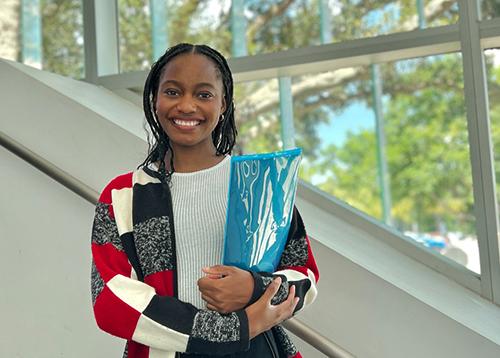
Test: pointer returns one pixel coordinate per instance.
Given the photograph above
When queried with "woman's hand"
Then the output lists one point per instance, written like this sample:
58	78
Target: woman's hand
226	289
262	315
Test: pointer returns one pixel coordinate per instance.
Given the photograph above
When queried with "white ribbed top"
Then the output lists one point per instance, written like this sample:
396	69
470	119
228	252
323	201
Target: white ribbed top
199	201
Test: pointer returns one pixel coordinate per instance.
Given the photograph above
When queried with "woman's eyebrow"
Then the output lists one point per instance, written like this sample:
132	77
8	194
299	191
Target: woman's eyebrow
174	82
205	84
179	84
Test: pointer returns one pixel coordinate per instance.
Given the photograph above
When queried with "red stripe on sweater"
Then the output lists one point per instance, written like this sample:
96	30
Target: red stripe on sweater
162	282
115	316
110	261
311	263
137	350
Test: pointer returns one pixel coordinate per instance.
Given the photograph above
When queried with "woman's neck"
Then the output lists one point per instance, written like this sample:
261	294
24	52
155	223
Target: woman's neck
190	160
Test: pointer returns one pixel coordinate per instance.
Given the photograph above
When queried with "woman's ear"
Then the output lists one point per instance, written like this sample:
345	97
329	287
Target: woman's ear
223	107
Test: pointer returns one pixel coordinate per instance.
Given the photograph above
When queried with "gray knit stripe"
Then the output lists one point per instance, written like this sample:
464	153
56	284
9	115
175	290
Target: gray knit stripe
97	283
199	203
153	245
284	341
214	327
104	229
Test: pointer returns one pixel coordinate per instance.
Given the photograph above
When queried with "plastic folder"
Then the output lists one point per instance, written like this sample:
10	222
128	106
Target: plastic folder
260	205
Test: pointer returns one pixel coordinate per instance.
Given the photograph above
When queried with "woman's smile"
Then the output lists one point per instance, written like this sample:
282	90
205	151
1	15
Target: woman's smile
186	122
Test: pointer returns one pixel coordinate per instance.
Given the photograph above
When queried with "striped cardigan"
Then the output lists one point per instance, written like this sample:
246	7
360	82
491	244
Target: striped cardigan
133	278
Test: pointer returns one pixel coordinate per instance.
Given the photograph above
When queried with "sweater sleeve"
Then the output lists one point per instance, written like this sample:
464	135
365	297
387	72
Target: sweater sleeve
297	267
133	310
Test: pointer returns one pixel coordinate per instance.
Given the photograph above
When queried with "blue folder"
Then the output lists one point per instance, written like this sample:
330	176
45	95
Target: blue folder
260	205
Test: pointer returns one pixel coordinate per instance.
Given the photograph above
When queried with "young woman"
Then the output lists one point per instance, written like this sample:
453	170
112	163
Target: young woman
158	232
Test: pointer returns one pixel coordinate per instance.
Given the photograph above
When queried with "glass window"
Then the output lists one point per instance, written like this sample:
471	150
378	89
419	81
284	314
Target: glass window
198	22
270	26
134	24
10	29
44	34
62	37
257	116
281	25
490	9
429	191
202	22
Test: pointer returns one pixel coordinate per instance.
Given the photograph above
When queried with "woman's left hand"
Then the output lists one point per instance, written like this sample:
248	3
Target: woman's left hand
226	289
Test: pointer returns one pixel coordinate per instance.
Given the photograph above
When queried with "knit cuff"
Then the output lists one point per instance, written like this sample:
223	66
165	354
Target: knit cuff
264	279
258	287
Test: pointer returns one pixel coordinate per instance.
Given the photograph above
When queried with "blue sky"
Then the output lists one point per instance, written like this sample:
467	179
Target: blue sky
354	118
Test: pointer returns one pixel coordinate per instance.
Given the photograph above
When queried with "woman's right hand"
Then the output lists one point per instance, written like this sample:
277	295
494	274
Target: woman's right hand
262	315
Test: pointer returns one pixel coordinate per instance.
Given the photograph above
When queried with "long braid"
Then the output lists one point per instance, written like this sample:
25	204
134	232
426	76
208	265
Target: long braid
224	134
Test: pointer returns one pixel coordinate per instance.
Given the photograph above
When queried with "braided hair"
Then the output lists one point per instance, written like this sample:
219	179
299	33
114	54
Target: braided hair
224	134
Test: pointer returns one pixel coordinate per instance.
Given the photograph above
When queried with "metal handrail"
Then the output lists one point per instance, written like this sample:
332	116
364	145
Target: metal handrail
315	339
297	327
50	169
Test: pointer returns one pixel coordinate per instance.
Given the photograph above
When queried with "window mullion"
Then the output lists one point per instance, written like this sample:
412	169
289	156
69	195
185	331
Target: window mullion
483	174
102	51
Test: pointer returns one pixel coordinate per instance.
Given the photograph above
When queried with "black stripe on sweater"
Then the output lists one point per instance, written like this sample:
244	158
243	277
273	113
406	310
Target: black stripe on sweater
171	313
301	288
150	198
128	243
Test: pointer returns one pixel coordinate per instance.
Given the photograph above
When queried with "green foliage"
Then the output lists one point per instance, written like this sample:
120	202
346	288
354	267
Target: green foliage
427	150
134	35
281	25
62	37
490	8
350	172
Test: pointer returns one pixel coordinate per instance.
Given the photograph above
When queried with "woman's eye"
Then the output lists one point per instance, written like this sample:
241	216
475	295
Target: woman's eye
170	92
205	95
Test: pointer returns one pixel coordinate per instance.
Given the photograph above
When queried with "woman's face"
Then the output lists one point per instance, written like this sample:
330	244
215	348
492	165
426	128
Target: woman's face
190	101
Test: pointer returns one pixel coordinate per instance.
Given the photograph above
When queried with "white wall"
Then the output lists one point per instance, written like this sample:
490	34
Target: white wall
374	319
71	123
45	301
45	231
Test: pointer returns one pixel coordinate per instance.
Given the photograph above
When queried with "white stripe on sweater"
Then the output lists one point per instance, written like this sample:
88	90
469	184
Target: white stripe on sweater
134	293
156	353
292	275
158	336
122	208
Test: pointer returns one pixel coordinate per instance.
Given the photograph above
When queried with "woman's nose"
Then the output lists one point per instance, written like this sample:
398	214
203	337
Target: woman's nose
186	105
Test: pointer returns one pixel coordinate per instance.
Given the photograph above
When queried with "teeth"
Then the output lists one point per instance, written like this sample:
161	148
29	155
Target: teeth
186	123
180	122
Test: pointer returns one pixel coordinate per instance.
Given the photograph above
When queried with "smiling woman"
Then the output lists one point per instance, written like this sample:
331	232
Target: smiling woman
158	283
190	104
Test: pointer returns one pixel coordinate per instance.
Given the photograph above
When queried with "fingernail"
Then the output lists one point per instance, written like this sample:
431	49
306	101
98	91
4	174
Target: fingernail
278	280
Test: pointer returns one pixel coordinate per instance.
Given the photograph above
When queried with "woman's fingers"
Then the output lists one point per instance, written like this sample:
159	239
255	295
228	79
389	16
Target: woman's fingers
272	289
287	307
208	299
262	315
218	270
211	307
